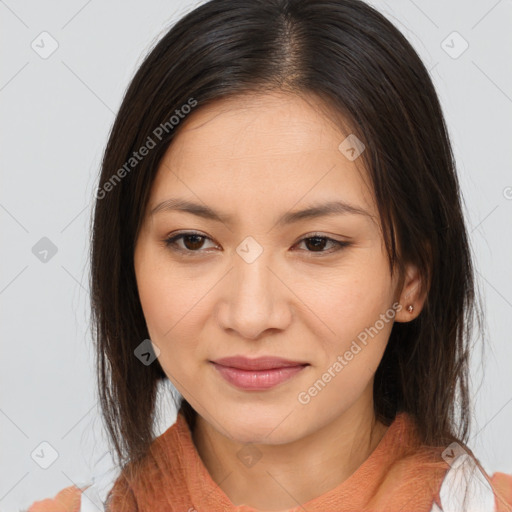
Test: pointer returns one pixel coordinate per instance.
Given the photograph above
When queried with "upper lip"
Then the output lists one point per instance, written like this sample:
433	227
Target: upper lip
259	363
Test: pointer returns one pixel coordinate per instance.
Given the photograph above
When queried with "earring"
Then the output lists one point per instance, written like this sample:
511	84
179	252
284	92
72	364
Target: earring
410	308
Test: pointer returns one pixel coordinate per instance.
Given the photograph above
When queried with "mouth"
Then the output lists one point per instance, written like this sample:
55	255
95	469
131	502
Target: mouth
257	374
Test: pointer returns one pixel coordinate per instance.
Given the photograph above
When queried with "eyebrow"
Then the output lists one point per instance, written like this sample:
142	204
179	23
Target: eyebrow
313	211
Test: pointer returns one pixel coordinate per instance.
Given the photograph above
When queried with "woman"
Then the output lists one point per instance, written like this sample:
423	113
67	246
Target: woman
278	232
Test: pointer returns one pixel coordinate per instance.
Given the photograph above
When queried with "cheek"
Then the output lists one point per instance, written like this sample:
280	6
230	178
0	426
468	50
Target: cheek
172	306
351	301
350	358
167	295
357	318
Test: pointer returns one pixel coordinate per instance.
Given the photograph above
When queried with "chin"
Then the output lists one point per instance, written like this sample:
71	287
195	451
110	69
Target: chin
271	430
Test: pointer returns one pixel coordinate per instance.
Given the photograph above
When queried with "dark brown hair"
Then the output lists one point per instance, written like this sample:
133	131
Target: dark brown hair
352	58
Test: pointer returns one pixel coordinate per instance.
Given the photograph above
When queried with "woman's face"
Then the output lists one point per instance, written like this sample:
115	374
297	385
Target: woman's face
258	282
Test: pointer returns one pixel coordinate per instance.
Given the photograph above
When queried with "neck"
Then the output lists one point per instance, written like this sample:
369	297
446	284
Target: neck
290	474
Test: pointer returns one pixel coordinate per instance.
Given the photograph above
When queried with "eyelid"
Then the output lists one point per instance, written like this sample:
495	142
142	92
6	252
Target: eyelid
172	239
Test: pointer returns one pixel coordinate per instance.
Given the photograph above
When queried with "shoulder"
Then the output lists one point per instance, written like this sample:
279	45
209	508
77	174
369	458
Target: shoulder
117	489
121	497
67	500
466	486
502	486
157	477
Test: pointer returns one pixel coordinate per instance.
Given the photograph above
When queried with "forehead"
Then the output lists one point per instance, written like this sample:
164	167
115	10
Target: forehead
282	123
262	150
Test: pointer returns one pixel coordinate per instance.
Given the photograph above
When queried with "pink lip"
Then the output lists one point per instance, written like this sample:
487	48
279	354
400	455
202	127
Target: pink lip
258	363
257	374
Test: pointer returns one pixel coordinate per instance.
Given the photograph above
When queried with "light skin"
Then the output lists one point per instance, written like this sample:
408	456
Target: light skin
255	158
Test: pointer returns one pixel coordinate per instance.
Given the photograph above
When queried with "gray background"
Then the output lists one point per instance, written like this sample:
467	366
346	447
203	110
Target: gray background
55	116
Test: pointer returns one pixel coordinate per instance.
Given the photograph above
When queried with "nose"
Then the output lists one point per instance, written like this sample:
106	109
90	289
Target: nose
254	299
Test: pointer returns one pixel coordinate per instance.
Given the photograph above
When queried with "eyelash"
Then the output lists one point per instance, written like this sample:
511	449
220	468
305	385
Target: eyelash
171	243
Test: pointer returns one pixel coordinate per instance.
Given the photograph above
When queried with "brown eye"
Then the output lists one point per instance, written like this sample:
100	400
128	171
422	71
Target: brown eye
192	242
317	244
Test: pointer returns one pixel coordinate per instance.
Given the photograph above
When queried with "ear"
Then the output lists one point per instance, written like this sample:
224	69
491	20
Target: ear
413	292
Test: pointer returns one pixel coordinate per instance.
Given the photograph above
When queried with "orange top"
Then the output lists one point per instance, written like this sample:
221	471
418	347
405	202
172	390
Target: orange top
399	474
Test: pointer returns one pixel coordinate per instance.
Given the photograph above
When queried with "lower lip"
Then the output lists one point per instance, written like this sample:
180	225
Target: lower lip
257	379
